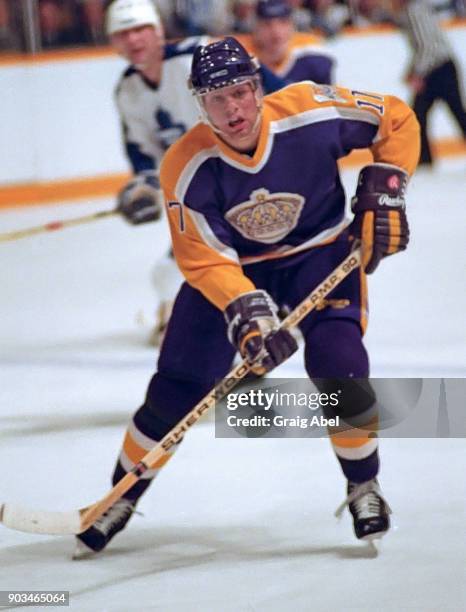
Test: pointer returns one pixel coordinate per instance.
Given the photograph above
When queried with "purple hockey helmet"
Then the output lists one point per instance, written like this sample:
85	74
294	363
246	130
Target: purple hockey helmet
220	64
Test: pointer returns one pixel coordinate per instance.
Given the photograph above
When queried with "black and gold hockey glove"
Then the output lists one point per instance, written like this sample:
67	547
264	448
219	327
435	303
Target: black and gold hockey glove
380	221
253	328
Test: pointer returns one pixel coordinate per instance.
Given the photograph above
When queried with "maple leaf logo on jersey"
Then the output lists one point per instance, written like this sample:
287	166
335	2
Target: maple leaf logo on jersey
266	217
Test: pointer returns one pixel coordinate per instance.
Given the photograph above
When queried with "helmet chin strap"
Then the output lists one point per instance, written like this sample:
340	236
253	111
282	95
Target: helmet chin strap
204	117
259	105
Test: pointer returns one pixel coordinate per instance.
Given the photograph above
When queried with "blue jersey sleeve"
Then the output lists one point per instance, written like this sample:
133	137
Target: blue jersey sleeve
139	161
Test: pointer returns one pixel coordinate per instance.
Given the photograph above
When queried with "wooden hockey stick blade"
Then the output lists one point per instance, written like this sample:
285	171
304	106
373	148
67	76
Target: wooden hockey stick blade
75	522
53	226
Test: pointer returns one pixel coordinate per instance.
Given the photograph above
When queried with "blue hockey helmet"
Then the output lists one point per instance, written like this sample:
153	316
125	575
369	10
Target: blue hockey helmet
220	64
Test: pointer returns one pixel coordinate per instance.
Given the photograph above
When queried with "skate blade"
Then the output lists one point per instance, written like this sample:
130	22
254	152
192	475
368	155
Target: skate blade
82	551
374	542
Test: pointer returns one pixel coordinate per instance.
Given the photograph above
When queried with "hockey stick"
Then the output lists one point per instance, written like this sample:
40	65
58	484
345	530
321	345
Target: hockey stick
77	521
56	225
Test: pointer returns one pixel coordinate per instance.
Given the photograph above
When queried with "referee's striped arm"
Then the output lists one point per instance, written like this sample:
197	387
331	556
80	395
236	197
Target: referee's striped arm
430	45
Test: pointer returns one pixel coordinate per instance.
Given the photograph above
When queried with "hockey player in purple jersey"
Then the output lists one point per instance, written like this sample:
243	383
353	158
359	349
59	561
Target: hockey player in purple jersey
294	56
257	217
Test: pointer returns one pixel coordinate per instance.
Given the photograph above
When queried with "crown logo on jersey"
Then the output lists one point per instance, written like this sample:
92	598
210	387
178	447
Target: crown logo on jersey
266	217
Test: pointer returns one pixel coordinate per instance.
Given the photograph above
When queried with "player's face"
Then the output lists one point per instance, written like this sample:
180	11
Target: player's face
141	46
272	36
234	111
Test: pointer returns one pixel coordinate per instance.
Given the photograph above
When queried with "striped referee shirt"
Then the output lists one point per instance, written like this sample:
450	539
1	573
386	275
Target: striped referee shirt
429	43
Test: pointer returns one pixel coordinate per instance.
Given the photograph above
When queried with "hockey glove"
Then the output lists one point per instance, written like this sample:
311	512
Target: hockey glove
141	201
380	221
253	328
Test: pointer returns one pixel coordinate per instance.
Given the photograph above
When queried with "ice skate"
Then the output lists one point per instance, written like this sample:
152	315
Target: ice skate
96	538
369	509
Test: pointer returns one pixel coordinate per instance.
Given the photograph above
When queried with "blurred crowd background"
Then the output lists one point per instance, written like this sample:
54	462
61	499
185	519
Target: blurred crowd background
35	25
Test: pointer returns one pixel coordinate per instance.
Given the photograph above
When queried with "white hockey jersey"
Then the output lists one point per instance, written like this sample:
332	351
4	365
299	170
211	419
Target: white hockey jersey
154	116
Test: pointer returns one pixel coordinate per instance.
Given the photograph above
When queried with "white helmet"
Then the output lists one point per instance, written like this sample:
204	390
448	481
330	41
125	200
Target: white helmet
126	14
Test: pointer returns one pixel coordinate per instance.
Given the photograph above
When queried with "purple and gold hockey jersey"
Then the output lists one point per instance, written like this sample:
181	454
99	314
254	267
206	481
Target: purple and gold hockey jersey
227	209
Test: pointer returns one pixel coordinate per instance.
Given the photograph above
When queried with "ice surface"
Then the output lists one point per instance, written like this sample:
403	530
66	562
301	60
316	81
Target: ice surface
230	524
